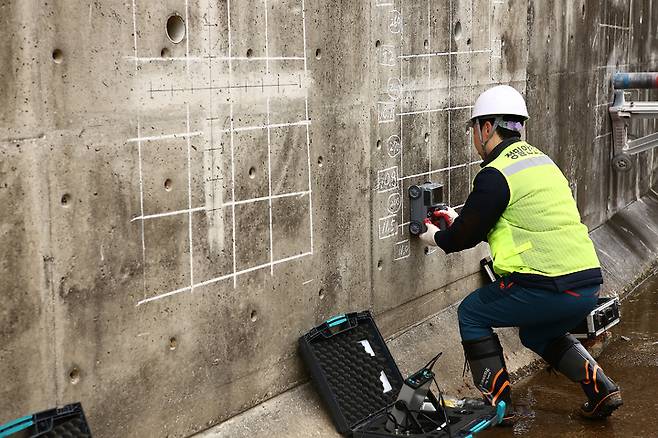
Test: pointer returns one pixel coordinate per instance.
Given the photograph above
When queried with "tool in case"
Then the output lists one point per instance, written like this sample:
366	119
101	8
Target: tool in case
362	387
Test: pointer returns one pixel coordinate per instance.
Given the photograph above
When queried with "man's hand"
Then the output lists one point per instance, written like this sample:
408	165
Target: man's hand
428	236
449	215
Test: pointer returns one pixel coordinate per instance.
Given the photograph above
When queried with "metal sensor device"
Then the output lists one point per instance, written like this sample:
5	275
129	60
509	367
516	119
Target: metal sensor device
411	397
425	200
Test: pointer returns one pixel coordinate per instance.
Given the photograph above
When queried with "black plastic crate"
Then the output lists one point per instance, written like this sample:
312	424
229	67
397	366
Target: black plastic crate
358	380
66	422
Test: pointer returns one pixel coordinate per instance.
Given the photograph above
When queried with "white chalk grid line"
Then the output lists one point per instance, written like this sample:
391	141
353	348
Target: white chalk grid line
231	87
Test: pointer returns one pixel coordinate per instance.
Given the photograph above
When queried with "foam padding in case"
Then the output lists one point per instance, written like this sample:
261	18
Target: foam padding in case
347	375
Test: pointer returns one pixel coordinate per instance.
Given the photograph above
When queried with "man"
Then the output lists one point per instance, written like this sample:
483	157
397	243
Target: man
550	275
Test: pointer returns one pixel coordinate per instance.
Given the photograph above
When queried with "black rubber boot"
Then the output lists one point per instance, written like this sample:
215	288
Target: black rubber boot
568	356
485	358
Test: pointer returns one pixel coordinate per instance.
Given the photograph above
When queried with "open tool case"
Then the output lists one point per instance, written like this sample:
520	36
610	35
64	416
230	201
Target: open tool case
65	422
359	382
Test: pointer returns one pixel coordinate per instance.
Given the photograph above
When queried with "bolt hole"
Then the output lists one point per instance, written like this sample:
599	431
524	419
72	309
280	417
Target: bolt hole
66	200
458	31
58	56
379	144
318	53
321	294
167	184
426	44
250	53
427	137
172	343
320	160
164	53
380	264
468	41
254	316
74	376
252	173
426	250
378	43
583	10
175	28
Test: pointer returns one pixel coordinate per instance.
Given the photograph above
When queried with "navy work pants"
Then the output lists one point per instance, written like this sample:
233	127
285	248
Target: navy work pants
541	315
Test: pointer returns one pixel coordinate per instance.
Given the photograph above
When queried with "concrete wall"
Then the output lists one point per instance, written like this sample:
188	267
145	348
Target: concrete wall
176	215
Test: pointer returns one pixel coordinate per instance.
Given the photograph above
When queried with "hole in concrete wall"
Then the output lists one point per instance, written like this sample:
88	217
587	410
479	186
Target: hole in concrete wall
583	10
66	200
427	137
426	44
458	30
58	56
74	375
172	343
252	172
379	144
468	41
254	316
175	28
167	184
380	264
321	294
164	52
378	43
320	160
250	53
426	250
318	53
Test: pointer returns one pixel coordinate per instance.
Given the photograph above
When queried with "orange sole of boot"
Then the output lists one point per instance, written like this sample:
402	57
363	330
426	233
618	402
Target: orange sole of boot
605	407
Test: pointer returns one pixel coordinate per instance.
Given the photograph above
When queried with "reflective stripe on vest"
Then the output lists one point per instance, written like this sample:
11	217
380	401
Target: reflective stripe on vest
540	230
525	164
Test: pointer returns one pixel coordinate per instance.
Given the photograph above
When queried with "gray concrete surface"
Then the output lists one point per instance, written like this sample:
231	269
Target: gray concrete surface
142	271
299	412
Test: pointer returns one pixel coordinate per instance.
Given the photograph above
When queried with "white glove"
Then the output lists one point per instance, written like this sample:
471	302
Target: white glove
428	236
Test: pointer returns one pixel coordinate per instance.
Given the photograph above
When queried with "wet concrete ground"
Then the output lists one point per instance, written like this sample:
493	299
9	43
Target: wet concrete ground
552	401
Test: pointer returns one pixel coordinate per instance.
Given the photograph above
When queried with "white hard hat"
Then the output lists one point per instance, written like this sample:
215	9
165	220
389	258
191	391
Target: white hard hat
500	100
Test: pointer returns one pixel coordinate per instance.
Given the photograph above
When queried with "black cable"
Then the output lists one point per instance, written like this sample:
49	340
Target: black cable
393	419
424	414
432	361
442	403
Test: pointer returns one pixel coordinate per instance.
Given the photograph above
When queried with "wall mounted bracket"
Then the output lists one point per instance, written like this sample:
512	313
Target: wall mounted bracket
622	112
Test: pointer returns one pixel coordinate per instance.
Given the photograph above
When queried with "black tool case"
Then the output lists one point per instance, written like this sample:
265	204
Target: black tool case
359	381
66	422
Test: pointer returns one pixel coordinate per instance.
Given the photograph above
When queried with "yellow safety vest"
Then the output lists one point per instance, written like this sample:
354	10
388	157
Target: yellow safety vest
540	231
